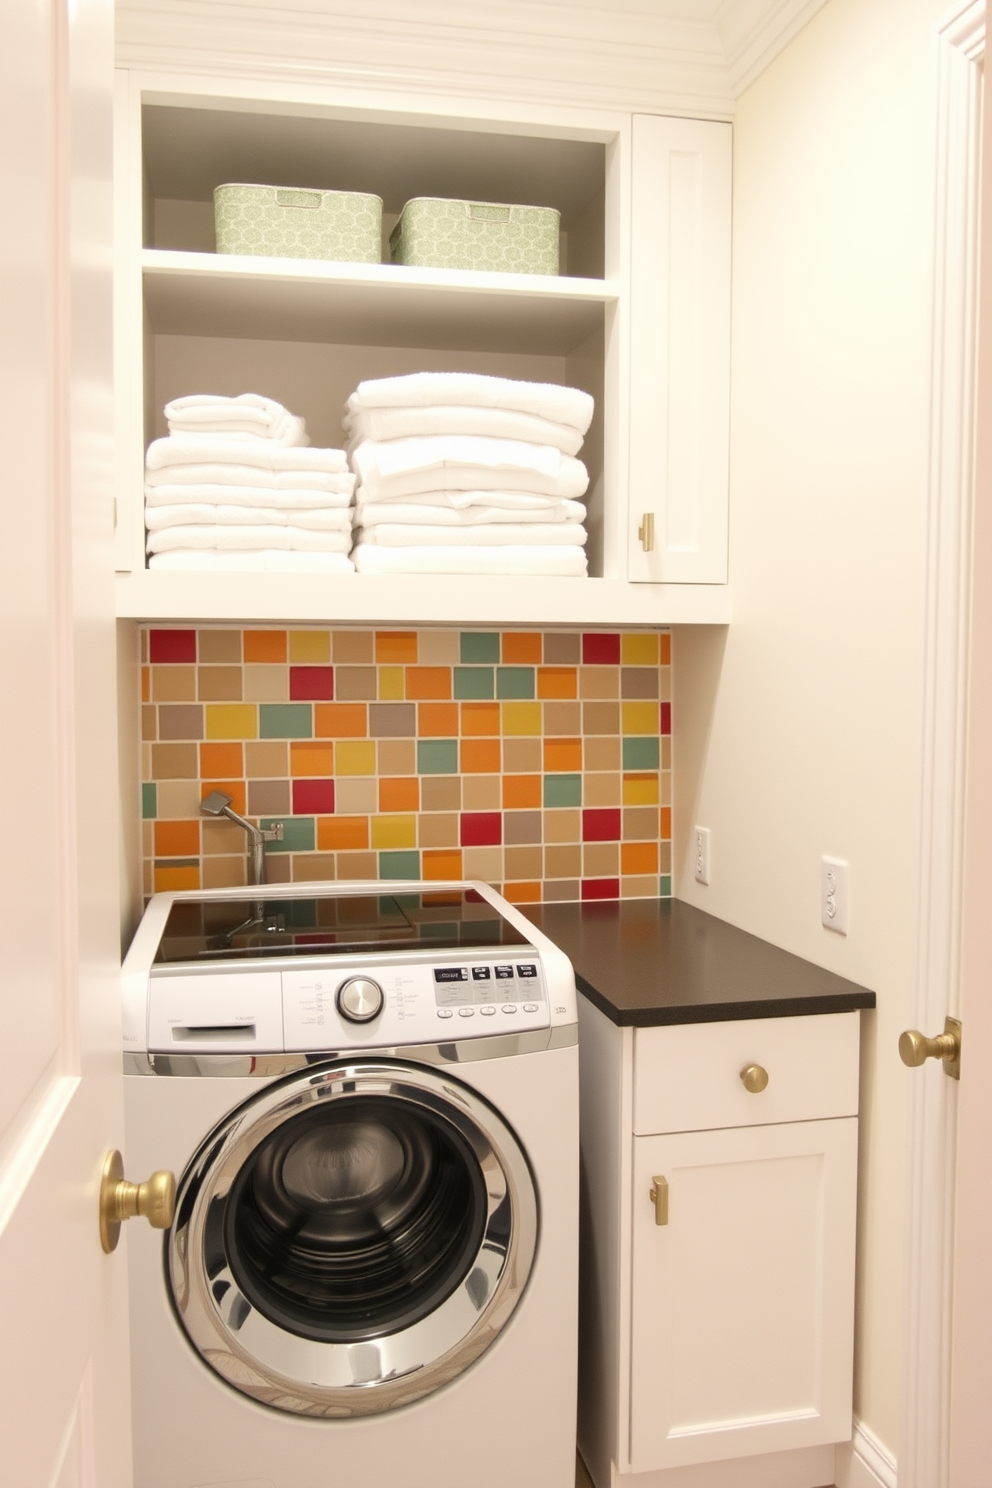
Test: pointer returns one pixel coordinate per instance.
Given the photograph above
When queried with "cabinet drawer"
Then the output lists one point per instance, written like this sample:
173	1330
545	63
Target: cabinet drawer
687	1077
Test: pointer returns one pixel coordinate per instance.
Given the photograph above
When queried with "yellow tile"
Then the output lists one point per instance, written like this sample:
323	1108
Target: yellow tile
522	718
639	648
355	757
392	684
310	645
640	718
394	831
232	721
176	878
640	790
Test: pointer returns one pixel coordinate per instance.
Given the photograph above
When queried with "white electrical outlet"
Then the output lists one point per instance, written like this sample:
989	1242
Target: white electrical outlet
701	854
833	894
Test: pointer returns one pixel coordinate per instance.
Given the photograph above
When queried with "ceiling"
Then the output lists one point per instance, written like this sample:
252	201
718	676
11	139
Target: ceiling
690	57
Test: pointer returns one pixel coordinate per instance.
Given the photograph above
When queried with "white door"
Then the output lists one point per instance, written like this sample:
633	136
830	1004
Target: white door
741	1336
64	1410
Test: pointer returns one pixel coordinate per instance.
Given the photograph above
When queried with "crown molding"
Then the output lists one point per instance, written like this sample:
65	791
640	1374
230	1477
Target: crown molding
689	57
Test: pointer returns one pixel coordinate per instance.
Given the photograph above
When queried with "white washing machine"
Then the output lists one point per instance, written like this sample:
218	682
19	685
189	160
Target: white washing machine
369	1096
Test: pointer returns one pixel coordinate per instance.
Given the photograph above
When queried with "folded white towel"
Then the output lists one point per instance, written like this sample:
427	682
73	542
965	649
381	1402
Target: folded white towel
201	514
547	561
374	513
297	539
248	413
266	561
240	449
461	462
543	534
248	497
495	423
547	400
251	477
512	501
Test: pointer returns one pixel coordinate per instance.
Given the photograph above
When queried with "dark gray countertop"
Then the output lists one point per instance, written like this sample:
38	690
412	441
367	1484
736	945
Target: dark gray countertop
652	961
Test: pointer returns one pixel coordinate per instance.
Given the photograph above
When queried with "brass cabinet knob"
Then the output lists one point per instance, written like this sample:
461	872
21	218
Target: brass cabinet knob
154	1200
659	1198
915	1048
754	1078
646	532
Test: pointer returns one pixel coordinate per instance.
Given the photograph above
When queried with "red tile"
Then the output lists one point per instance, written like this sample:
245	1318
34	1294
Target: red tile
600	650
313	797
172	645
308	684
666	718
601	888
481	828
601	826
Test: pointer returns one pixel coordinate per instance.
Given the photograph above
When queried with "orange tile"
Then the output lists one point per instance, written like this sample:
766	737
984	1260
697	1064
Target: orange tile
666	823
428	682
480	719
480	757
397	793
442	863
265	645
233	788
521	792
396	645
437	721
563	754
309	759
521	648
638	857
146	684
342	832
558	682
341	720
522	893
221	759
172	879
177	839
666	650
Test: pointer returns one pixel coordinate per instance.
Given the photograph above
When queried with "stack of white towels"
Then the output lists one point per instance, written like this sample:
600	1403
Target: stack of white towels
464	473
236	486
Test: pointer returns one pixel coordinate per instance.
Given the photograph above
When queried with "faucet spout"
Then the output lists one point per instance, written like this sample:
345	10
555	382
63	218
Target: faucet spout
217	804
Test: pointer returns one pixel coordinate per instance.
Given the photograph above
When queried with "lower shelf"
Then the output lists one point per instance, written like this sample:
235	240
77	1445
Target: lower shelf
417	599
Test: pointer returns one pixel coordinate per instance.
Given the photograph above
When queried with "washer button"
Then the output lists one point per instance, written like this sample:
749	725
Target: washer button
508	1007
445	1013
531	1007
487	1012
466	1012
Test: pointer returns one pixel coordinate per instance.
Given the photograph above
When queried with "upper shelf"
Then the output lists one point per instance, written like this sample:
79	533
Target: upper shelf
208	294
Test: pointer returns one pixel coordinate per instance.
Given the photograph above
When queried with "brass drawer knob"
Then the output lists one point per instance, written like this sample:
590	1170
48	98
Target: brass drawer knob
154	1200
915	1048
754	1078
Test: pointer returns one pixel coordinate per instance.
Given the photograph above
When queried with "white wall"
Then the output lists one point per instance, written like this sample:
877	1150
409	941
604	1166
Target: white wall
798	729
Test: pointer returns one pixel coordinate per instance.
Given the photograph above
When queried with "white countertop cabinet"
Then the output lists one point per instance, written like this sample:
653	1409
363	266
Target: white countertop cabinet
639	316
717	1346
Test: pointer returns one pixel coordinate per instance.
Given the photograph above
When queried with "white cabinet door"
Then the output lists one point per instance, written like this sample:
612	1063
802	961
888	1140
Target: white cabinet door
743	1303
680	349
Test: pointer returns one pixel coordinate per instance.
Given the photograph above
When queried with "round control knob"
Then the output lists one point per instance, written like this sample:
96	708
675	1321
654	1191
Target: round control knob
359	999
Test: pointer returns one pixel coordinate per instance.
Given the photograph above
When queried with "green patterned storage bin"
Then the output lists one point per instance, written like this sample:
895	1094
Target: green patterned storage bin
287	222
437	234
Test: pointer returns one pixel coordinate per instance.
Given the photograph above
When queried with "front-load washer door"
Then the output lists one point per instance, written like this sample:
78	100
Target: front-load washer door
352	1238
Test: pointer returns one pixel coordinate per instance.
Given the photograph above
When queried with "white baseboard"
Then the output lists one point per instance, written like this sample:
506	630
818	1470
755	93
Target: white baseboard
864	1462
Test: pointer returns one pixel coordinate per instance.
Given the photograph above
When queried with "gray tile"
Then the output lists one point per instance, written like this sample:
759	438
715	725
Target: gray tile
392	720
521	826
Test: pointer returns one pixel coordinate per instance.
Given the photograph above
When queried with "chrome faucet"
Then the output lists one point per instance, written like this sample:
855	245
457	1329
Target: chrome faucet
217	804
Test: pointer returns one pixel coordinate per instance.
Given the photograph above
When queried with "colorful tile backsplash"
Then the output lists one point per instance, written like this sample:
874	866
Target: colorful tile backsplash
539	762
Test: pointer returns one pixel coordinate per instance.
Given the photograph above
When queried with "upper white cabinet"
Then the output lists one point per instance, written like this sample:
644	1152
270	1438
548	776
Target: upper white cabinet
306	333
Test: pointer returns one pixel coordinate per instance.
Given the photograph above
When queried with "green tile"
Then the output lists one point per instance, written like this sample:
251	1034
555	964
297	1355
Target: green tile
665	886
177	862
479	646
399	865
475	682
149	801
563	790
641	753
285	721
514	682
297	833
437	756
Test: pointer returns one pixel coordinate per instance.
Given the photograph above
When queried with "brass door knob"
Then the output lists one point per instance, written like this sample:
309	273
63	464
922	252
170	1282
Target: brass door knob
754	1078
915	1048
154	1200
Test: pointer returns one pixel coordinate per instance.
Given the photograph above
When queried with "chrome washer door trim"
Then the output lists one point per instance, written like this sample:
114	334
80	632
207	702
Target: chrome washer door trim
279	1368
